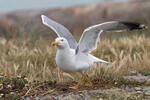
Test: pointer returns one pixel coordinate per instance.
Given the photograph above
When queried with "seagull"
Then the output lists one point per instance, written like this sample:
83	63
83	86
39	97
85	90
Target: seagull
75	57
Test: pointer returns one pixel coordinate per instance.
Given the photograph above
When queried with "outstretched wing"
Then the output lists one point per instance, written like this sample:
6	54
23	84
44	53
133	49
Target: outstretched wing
60	30
89	38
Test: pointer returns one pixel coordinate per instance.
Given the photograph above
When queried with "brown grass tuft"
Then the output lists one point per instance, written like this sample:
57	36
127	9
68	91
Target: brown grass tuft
36	60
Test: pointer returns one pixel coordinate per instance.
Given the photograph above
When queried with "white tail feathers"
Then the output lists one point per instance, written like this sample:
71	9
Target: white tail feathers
97	60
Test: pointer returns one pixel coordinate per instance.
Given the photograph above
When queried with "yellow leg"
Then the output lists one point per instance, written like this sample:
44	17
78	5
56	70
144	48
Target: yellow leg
88	83
76	87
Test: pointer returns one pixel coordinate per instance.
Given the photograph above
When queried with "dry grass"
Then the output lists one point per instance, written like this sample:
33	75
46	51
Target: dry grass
30	67
126	54
36	60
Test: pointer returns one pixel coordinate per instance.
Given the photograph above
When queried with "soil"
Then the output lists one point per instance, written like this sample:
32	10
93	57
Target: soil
61	89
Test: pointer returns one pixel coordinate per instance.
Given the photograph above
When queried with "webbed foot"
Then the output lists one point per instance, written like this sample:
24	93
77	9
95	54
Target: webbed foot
74	87
88	84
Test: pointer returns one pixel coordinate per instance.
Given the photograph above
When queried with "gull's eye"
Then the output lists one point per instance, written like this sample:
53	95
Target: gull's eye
62	40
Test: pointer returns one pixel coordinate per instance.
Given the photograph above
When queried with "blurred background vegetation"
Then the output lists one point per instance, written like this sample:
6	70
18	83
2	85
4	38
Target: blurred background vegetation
27	23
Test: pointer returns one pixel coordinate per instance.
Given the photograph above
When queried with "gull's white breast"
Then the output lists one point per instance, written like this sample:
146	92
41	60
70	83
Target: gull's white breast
67	61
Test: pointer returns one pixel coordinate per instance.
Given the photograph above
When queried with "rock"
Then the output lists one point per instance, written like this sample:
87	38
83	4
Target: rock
27	98
138	88
129	88
37	98
147	93
100	99
139	78
139	92
133	72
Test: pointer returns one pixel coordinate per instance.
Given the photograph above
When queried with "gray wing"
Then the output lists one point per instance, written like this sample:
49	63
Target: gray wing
89	38
60	30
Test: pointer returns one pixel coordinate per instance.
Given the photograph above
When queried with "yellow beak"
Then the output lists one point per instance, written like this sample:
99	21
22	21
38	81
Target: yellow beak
54	43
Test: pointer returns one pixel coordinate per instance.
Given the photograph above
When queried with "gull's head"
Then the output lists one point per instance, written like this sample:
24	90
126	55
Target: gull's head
60	42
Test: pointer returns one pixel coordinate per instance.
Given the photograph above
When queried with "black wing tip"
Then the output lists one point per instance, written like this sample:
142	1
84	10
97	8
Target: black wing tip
142	26
134	26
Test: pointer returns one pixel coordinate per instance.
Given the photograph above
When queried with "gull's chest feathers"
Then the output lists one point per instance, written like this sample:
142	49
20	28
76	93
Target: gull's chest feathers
65	60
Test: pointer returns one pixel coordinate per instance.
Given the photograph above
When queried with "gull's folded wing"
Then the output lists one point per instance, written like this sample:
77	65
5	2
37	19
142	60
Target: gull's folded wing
89	38
60	30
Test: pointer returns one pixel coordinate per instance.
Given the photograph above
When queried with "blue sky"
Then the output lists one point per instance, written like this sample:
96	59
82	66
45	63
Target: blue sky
11	5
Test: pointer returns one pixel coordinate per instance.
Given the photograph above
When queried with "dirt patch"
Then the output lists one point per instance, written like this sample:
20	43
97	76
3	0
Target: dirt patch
102	94
59	89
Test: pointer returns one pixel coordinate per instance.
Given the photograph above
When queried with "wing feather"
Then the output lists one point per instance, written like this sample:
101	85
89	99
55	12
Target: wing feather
89	38
60	30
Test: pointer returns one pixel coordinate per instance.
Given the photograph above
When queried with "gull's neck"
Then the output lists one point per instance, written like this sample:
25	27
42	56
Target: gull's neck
65	52
66	47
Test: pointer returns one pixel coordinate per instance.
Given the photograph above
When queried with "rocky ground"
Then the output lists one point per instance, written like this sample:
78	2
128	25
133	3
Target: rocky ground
124	92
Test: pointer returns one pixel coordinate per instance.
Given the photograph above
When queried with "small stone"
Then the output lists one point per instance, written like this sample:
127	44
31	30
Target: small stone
129	88
133	72
147	93
9	86
138	88
139	92
1	84
37	98
12	93
100	99
1	76
19	76
116	83
28	98
1	95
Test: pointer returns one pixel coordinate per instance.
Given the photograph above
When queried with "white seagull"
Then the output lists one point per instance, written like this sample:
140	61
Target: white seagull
75	57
